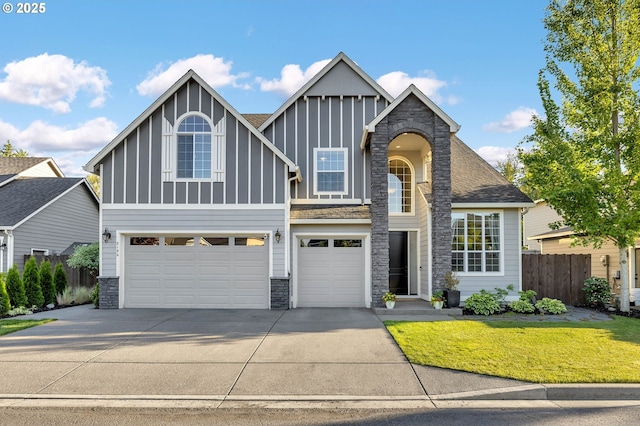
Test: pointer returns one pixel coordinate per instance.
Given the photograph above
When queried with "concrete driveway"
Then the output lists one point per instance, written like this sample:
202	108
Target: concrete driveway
212	354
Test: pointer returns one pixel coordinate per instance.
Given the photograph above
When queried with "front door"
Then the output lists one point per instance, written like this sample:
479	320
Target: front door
398	268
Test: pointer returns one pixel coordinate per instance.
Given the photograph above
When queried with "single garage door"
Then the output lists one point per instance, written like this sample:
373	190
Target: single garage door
331	272
196	272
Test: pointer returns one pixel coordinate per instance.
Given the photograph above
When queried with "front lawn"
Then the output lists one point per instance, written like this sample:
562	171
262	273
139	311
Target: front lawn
541	352
12	325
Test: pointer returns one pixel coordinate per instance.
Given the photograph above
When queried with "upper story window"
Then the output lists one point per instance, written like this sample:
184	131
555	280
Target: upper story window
194	148
330	165
476	244
400	189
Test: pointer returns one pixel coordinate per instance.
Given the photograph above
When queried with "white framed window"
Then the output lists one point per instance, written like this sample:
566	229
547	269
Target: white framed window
400	179
477	242
330	165
193	148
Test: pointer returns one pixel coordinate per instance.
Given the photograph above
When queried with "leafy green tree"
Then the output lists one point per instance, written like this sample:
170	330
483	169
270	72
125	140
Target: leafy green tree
513	170
94	180
46	282
60	278
585	158
15	288
5	304
31	281
9	151
86	257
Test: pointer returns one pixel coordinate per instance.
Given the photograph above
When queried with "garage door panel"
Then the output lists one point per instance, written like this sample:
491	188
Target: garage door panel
197	276
330	276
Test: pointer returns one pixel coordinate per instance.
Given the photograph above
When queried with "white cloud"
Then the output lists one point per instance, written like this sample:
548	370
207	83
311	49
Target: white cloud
397	81
214	71
292	78
512	122
52	81
40	136
493	154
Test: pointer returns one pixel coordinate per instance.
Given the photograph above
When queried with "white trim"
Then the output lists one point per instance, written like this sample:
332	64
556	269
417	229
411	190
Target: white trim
490	206
330	221
211	207
366	237
45	252
345	201
345	171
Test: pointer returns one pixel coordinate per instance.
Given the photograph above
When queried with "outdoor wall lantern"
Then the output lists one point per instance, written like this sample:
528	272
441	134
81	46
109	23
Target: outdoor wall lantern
106	235
278	235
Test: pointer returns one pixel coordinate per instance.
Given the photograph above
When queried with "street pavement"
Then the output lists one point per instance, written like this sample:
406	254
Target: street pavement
239	358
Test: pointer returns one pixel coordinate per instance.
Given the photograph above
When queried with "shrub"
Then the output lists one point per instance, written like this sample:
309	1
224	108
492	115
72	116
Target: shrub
86	257
19	311
65	298
5	305
551	306
483	303
31	281
60	278
81	295
46	282
597	291
522	306
15	288
95	296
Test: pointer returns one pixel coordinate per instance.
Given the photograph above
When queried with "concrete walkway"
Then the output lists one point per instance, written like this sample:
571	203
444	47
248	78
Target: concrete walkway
228	357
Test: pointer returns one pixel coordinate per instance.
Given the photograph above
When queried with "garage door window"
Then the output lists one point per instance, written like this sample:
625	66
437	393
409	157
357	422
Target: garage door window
214	241
249	241
347	243
314	243
178	241
144	241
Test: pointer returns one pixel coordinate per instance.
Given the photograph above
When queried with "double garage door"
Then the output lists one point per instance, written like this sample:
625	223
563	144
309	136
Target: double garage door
196	272
331	272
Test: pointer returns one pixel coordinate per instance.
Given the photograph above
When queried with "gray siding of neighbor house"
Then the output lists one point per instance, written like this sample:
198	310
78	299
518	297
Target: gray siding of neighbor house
72	218
141	169
198	221
331	114
511	245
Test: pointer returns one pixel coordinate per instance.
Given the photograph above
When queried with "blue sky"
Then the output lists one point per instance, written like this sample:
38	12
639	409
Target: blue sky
74	76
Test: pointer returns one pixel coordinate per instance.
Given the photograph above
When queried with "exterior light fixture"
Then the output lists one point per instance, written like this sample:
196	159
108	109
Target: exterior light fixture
278	235
106	235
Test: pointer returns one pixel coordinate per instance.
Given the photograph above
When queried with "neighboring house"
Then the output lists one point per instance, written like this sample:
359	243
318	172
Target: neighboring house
340	195
605	261
41	211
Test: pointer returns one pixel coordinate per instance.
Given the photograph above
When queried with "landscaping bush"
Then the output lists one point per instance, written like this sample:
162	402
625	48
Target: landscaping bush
19	311
60	278
86	257
483	303
597	291
31	281
5	305
551	306
522	306
46	282
95	296
15	288
65	298
81	295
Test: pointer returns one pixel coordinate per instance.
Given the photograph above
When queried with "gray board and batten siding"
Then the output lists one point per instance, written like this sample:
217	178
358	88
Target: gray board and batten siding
137	172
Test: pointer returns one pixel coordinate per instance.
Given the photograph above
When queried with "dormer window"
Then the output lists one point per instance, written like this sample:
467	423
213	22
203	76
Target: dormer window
194	148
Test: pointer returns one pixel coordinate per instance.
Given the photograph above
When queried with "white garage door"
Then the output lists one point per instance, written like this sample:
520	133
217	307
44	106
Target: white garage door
196	272
331	272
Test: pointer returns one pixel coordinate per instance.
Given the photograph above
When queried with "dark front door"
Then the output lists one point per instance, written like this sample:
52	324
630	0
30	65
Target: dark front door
398	271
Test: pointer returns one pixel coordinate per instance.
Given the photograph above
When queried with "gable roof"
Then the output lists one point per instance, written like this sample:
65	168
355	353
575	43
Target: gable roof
474	183
411	90
191	74
18	165
340	58
23	197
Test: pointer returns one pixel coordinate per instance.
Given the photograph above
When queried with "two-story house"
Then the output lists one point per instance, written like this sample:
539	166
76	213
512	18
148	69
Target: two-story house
340	195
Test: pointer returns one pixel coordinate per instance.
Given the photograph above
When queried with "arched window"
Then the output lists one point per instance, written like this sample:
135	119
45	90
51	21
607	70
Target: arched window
194	148
400	187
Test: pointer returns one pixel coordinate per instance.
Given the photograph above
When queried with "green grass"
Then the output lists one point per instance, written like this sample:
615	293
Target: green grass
12	325
545	352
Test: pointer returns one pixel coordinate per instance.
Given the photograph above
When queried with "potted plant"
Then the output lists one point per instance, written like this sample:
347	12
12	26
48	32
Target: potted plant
389	299
437	299
452	294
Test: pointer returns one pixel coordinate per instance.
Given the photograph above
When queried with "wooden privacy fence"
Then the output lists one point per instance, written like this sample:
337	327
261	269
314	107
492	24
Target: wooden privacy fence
557	276
76	277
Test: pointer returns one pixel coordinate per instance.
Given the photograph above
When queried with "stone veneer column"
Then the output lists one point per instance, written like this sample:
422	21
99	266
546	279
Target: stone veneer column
280	294
379	145
109	292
